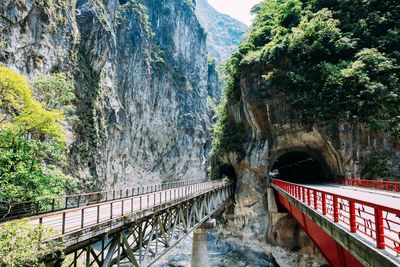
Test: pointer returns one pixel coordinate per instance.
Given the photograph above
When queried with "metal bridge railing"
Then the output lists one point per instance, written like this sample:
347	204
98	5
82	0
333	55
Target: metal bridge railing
375	223
72	220
372	184
138	236
9	211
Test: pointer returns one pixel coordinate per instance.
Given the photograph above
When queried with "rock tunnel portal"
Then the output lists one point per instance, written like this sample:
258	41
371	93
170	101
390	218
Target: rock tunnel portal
300	167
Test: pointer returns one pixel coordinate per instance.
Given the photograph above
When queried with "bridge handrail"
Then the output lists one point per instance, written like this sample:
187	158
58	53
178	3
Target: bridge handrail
16	210
376	223
104	212
373	184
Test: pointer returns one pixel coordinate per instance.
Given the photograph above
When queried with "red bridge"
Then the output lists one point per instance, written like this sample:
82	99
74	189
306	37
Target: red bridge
353	222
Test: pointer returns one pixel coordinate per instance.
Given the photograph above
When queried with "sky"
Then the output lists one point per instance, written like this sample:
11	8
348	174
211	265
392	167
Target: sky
239	9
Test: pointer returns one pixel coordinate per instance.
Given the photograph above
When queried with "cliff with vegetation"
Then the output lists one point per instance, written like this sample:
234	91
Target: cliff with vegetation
139	77
317	77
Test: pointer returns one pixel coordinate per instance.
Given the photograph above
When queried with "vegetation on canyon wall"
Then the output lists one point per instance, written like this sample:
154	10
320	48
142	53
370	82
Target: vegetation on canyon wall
32	138
32	150
334	59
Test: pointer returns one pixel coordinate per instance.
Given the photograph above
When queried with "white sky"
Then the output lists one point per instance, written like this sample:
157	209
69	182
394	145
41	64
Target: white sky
239	9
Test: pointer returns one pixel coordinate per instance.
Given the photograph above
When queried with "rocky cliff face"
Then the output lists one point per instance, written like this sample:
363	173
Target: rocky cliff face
271	130
146	88
140	73
223	32
37	37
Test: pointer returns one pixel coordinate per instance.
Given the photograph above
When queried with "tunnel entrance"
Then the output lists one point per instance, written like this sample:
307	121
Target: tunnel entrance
299	167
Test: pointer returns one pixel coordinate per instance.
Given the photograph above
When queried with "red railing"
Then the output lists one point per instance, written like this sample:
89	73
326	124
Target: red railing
376	223
373	184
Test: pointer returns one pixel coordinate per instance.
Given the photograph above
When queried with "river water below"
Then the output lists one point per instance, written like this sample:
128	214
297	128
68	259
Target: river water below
230	252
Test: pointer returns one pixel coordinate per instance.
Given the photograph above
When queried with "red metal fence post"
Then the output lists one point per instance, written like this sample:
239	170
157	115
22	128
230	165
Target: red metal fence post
315	200
335	209
352	216
303	194
323	196
379	229
308	197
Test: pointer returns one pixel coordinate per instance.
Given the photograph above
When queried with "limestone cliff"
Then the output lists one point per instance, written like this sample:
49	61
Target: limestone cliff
140	73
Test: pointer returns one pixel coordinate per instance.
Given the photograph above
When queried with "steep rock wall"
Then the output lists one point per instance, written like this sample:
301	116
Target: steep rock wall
37	37
140	73
148	101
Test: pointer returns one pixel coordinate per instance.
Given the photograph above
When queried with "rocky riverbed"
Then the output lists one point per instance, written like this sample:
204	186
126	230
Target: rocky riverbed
227	251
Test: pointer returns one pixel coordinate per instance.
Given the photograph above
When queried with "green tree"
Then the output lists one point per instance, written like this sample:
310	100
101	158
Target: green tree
28	169
31	144
22	244
56	92
19	112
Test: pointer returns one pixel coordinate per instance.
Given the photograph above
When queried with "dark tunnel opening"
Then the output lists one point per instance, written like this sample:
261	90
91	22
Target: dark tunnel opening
227	171
299	167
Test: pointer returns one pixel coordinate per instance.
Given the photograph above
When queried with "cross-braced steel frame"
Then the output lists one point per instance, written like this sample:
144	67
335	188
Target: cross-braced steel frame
142	242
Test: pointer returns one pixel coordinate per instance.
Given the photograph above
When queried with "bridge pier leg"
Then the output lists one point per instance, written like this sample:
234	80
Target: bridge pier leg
199	247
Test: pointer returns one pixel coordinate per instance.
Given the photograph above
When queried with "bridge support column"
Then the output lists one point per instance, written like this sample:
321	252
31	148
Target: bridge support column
274	214
199	247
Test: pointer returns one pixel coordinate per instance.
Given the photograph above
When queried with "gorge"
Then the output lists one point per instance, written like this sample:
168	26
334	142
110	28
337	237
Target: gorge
310	92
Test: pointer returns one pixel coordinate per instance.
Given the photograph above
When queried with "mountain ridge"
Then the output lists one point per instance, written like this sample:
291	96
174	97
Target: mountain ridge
224	32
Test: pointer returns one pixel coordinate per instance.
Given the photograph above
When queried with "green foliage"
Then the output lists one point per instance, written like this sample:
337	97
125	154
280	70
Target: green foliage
379	166
22	244
333	59
28	169
227	135
19	112
56	92
32	138
273	20
232	78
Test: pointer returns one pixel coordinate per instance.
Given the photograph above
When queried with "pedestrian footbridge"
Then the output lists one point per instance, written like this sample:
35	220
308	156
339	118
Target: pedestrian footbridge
124	227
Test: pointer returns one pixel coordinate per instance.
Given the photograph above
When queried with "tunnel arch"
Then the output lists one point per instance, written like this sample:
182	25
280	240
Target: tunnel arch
300	166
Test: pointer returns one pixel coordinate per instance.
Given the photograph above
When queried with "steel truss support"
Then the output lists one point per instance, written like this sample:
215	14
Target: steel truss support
142	242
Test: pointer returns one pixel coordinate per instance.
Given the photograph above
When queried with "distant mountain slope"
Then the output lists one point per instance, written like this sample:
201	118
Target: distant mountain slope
224	32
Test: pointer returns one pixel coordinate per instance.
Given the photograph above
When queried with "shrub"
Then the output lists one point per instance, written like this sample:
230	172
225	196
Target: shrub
23	244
